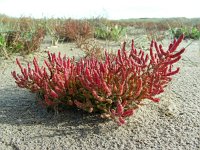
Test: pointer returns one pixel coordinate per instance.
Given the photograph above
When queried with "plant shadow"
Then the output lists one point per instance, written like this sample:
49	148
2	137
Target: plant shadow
18	107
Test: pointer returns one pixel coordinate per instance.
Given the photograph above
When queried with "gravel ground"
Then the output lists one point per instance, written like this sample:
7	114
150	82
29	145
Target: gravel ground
174	123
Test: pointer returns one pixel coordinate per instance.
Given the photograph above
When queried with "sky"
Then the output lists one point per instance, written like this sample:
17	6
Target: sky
111	9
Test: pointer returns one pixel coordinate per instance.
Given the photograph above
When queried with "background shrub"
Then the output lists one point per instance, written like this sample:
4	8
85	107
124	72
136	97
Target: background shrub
109	32
189	32
71	30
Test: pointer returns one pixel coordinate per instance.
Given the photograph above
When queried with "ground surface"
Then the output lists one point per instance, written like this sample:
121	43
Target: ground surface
174	123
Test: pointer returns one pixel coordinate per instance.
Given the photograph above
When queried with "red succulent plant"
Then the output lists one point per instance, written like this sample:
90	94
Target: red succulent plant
115	87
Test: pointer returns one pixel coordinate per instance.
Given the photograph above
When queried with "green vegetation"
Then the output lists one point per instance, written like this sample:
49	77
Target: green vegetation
106	32
189	32
25	35
20	42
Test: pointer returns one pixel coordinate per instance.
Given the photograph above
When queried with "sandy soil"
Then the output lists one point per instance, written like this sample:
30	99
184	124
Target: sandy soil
174	123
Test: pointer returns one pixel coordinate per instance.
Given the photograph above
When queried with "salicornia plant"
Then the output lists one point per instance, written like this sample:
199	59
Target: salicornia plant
114	87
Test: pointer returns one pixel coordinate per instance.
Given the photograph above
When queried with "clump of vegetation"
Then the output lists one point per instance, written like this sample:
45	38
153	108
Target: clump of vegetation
109	32
115	87
20	42
3	51
23	35
91	48
33	40
71	30
189	32
156	36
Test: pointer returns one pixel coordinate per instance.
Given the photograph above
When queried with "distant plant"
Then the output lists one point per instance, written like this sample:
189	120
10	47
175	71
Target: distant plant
114	87
24	24
33	41
190	33
20	42
90	47
3	51
156	35
106	32
71	30
51	31
198	26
